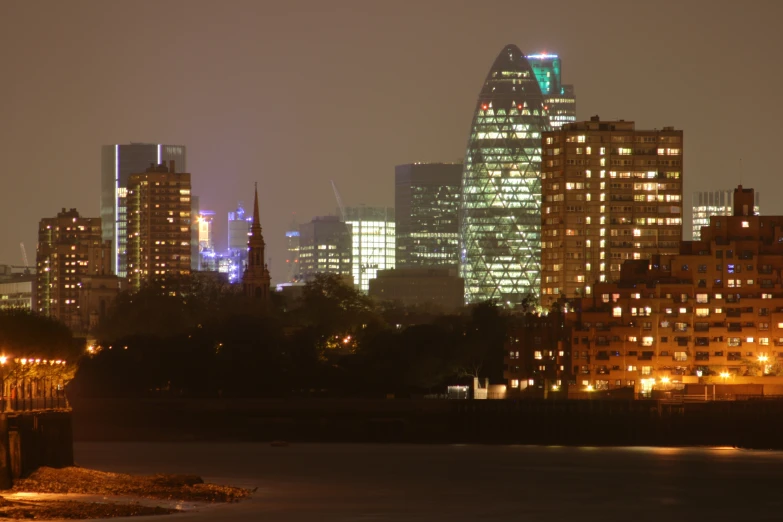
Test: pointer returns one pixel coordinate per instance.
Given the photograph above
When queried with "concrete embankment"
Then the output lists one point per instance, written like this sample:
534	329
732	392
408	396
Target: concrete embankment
753	424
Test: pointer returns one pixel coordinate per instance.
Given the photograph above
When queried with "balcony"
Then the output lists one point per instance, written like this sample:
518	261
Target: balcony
702	356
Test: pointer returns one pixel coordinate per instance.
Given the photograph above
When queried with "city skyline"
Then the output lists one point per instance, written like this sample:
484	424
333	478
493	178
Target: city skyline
60	104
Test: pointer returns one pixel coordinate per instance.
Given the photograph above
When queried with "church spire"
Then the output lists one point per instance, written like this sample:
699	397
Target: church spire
256	278
256	219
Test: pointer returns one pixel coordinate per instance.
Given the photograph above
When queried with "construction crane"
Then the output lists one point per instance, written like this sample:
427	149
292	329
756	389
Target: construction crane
339	200
25	262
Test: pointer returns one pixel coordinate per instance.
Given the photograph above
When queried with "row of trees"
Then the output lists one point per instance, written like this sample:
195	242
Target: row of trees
212	341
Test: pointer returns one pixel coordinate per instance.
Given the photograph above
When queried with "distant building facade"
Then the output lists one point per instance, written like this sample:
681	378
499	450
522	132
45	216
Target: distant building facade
17	294
97	292
714	203
325	248
373	239
118	162
610	193
438	288
713	311
238	230
559	99
292	254
538	355
159	227
426	209
500	219
69	248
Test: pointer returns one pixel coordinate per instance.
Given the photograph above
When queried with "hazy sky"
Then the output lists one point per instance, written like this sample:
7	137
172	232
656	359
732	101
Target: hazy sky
293	94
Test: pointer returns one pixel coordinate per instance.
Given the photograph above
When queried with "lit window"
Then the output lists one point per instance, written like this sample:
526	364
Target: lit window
618	312
745	224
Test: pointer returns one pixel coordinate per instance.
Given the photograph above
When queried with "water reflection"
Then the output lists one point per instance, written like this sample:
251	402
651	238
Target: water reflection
458	483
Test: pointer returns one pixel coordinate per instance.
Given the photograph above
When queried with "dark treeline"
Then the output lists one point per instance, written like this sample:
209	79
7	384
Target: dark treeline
214	342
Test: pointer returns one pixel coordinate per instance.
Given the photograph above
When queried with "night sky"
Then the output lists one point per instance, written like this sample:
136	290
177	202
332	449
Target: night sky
293	94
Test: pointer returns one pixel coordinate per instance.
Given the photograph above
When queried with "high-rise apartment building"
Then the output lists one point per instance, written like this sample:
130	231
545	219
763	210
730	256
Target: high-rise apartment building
69	248
118	162
500	236
559	99
611	193
714	203
325	248
159	227
373	242
426	206
712	313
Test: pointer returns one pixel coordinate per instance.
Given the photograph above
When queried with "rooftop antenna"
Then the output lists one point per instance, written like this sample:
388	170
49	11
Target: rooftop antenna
740	171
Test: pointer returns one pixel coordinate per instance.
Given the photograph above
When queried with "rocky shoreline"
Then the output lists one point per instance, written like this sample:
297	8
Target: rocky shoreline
78	494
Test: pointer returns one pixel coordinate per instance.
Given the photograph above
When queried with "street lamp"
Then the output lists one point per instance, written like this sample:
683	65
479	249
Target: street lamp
763	360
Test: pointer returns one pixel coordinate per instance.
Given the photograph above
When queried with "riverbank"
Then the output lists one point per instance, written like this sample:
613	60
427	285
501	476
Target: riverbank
79	493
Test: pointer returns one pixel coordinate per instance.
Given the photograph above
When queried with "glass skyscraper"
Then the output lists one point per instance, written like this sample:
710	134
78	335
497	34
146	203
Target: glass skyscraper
373	242
426	204
118	162
559	99
500	236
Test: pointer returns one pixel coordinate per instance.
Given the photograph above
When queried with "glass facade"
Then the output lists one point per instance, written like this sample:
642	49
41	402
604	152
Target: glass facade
426	204
559	99
372	242
714	203
500	235
324	247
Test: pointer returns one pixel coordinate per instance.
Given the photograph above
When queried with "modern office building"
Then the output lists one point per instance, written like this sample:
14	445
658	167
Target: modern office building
426	209
500	236
611	193
325	248
292	252
69	248
373	242
439	289
238	230
559	99
118	162
713	313
207	257
714	203
159	227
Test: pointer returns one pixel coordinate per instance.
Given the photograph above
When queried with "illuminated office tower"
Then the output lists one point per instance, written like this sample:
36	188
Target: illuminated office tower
372	242
324	248
238	230
69	248
559	99
714	203
426	208
611	193
207	259
500	231
118	162
159	227
292	236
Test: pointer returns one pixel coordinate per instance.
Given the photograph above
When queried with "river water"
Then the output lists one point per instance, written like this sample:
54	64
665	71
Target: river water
390	483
